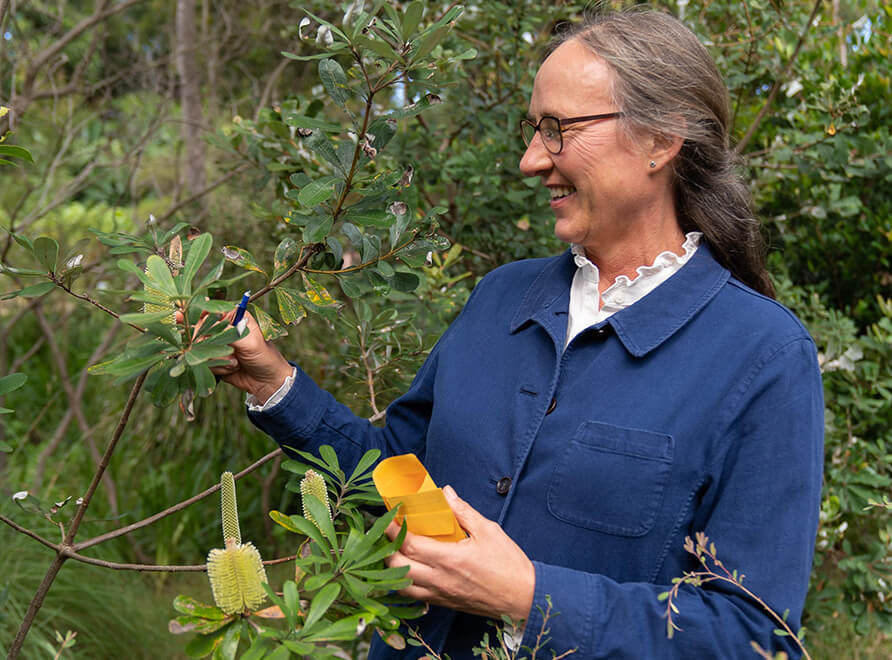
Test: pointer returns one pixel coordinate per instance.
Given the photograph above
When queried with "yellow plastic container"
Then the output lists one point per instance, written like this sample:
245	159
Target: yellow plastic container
403	481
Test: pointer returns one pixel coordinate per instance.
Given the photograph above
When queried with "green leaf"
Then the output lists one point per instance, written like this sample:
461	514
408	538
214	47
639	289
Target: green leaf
412	17
16	152
321	602
160	275
241	258
350	285
321	145
292	602
202	645
268	326
33	291
319	511
341	630
361	553
24	272
5	447
302	121
365	463
47	252
316	192
202	352
284	521
145	318
307	528
290	307
376	45
213	306
317	228
205	383
430	41
286	254
366	218
125	366
198	252
352	234
335	81
405	282
190	606
316	56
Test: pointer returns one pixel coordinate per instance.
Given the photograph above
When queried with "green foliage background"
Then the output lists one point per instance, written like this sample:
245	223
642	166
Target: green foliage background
110	151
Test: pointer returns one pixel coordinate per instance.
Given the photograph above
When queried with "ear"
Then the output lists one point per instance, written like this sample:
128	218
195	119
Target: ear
663	149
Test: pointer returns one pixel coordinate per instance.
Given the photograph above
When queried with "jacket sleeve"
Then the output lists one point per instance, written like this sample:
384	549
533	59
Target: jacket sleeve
759	505
309	417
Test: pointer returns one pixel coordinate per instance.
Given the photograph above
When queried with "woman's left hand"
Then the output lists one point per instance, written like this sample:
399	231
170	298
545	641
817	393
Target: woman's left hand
485	574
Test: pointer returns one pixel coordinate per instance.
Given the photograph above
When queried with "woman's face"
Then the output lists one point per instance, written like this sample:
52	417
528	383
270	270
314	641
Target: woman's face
601	185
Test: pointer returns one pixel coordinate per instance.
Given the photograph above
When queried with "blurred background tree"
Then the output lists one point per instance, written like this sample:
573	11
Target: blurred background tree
181	110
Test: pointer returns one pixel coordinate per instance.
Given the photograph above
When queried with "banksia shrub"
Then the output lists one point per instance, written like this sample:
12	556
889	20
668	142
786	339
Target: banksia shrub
313	485
236	573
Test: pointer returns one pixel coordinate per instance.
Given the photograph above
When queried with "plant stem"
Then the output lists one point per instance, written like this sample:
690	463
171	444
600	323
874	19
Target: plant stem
61	554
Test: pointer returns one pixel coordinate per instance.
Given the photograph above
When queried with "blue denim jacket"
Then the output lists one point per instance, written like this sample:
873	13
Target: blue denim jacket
698	408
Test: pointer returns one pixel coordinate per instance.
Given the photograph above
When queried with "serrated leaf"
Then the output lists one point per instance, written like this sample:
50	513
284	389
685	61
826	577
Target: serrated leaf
241	258
290	307
46	250
335	81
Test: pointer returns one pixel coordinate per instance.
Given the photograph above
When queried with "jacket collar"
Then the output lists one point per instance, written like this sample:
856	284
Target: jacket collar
642	326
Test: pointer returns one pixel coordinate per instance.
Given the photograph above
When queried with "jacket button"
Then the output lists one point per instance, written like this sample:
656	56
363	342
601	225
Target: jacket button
551	407
503	486
601	333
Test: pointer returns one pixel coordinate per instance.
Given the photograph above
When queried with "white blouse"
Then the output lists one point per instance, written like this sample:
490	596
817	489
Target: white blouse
584	297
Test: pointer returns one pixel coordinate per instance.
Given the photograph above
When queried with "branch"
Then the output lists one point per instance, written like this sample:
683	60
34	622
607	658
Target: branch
775	88
28	532
166	512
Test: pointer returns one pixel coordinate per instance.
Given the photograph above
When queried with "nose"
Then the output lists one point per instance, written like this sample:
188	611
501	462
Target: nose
536	160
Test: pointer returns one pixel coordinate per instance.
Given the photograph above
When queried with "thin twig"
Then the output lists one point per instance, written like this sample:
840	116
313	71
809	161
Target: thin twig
173	509
775	88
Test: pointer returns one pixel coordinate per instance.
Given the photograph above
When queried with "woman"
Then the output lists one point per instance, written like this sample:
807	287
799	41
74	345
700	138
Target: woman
593	409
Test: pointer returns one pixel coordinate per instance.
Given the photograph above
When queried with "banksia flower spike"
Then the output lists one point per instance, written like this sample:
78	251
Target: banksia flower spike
236	573
313	485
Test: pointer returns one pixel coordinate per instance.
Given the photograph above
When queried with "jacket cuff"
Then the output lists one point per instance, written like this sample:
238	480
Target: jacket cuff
294	418
571	619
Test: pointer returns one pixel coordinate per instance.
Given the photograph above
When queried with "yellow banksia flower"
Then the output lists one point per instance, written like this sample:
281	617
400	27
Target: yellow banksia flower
236	573
237	577
313	485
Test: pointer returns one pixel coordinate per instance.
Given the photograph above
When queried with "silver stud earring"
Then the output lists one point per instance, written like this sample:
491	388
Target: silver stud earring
652	164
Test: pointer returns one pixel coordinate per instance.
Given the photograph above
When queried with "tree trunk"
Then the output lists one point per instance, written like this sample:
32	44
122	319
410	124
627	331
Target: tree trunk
190	94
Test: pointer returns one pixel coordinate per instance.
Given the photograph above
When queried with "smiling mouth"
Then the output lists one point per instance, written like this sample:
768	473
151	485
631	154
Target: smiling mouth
559	192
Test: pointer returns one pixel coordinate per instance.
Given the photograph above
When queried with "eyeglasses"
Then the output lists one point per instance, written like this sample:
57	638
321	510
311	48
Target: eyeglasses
550	128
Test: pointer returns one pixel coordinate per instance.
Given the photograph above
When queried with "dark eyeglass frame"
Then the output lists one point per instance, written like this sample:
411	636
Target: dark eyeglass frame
560	124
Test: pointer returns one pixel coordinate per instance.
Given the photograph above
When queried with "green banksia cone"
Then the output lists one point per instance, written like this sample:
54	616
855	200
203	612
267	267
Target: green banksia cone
236	573
313	485
237	576
229	508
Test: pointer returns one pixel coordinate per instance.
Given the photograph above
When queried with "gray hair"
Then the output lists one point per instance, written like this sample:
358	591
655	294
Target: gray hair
667	84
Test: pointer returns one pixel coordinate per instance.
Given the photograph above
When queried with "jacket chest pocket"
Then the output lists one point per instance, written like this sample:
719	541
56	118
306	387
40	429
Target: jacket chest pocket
611	479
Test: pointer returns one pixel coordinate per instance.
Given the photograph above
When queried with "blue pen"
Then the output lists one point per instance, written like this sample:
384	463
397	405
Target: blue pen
242	306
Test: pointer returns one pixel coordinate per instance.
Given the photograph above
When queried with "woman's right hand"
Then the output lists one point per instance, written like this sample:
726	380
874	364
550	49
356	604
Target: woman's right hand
255	365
